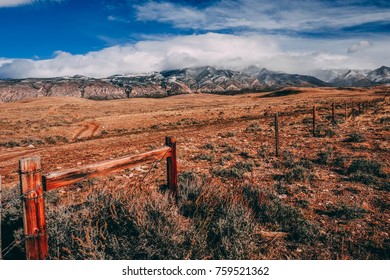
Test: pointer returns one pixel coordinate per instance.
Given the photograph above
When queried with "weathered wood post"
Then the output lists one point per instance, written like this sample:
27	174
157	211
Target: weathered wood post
34	220
314	120
276	121
172	167
333	116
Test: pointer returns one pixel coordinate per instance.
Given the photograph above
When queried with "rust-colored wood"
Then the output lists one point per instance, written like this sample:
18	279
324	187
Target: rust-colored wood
276	121
172	167
62	178
333	113
33	205
314	120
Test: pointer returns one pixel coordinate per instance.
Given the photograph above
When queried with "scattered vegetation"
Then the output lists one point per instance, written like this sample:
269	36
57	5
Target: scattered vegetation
324	131
355	138
236	171
343	212
365	171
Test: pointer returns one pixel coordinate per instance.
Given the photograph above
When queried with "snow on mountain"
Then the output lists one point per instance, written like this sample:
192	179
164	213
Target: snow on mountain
205	79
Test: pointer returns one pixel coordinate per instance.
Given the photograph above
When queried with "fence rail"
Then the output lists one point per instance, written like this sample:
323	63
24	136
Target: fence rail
33	185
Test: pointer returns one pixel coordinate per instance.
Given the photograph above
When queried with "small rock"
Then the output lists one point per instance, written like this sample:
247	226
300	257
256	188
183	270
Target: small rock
31	146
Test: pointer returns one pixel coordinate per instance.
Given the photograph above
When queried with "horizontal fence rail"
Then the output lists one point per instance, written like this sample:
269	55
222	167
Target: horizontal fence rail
59	179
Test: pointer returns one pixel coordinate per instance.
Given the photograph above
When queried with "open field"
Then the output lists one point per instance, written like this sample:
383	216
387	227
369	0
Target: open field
327	197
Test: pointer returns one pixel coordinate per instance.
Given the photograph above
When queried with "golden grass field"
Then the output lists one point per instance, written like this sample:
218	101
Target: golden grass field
313	175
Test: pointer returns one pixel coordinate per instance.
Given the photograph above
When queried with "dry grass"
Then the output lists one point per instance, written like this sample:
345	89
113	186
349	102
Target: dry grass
330	194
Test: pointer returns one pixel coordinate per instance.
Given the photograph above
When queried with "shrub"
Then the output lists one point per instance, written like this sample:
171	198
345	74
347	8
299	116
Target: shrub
366	166
355	138
323	131
267	208
297	173
229	148
288	158
340	162
253	127
205	157
223	227
237	171
136	224
208	146
324	157
343	211
10	144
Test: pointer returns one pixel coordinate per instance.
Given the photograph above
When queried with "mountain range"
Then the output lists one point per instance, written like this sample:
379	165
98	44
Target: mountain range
189	80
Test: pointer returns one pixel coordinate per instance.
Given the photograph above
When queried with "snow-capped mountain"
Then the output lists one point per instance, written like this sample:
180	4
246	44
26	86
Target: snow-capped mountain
355	78
183	81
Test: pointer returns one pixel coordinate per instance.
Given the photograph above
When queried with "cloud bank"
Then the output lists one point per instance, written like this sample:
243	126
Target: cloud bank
275	16
219	50
15	3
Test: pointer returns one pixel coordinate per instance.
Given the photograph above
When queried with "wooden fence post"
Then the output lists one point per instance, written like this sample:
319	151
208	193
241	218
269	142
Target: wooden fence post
276	121
333	116
314	120
172	167
346	111
34	220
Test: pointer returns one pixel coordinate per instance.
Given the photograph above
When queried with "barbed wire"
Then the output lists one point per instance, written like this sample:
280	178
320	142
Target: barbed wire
155	163
12	246
9	203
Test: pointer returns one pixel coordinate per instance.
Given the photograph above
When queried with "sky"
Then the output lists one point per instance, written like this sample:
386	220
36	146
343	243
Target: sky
99	38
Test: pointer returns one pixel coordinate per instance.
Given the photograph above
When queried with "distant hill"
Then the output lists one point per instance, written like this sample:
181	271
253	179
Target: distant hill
183	81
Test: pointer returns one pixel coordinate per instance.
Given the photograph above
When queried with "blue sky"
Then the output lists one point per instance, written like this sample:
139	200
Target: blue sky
43	38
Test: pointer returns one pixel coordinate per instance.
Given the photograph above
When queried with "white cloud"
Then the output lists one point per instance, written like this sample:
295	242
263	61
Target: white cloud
362	45
15	3
263	14
220	50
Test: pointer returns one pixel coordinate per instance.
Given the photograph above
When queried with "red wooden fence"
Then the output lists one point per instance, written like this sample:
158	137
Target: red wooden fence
33	185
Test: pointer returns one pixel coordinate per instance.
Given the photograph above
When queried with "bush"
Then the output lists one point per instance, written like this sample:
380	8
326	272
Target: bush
223	227
267	208
340	162
323	131
229	148
237	171
205	157
297	173
343	212
137	224
324	157
253	127
366	166
355	138
365	171
208	146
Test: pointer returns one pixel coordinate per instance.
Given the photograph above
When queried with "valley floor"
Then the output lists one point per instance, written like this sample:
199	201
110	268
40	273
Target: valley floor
338	182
